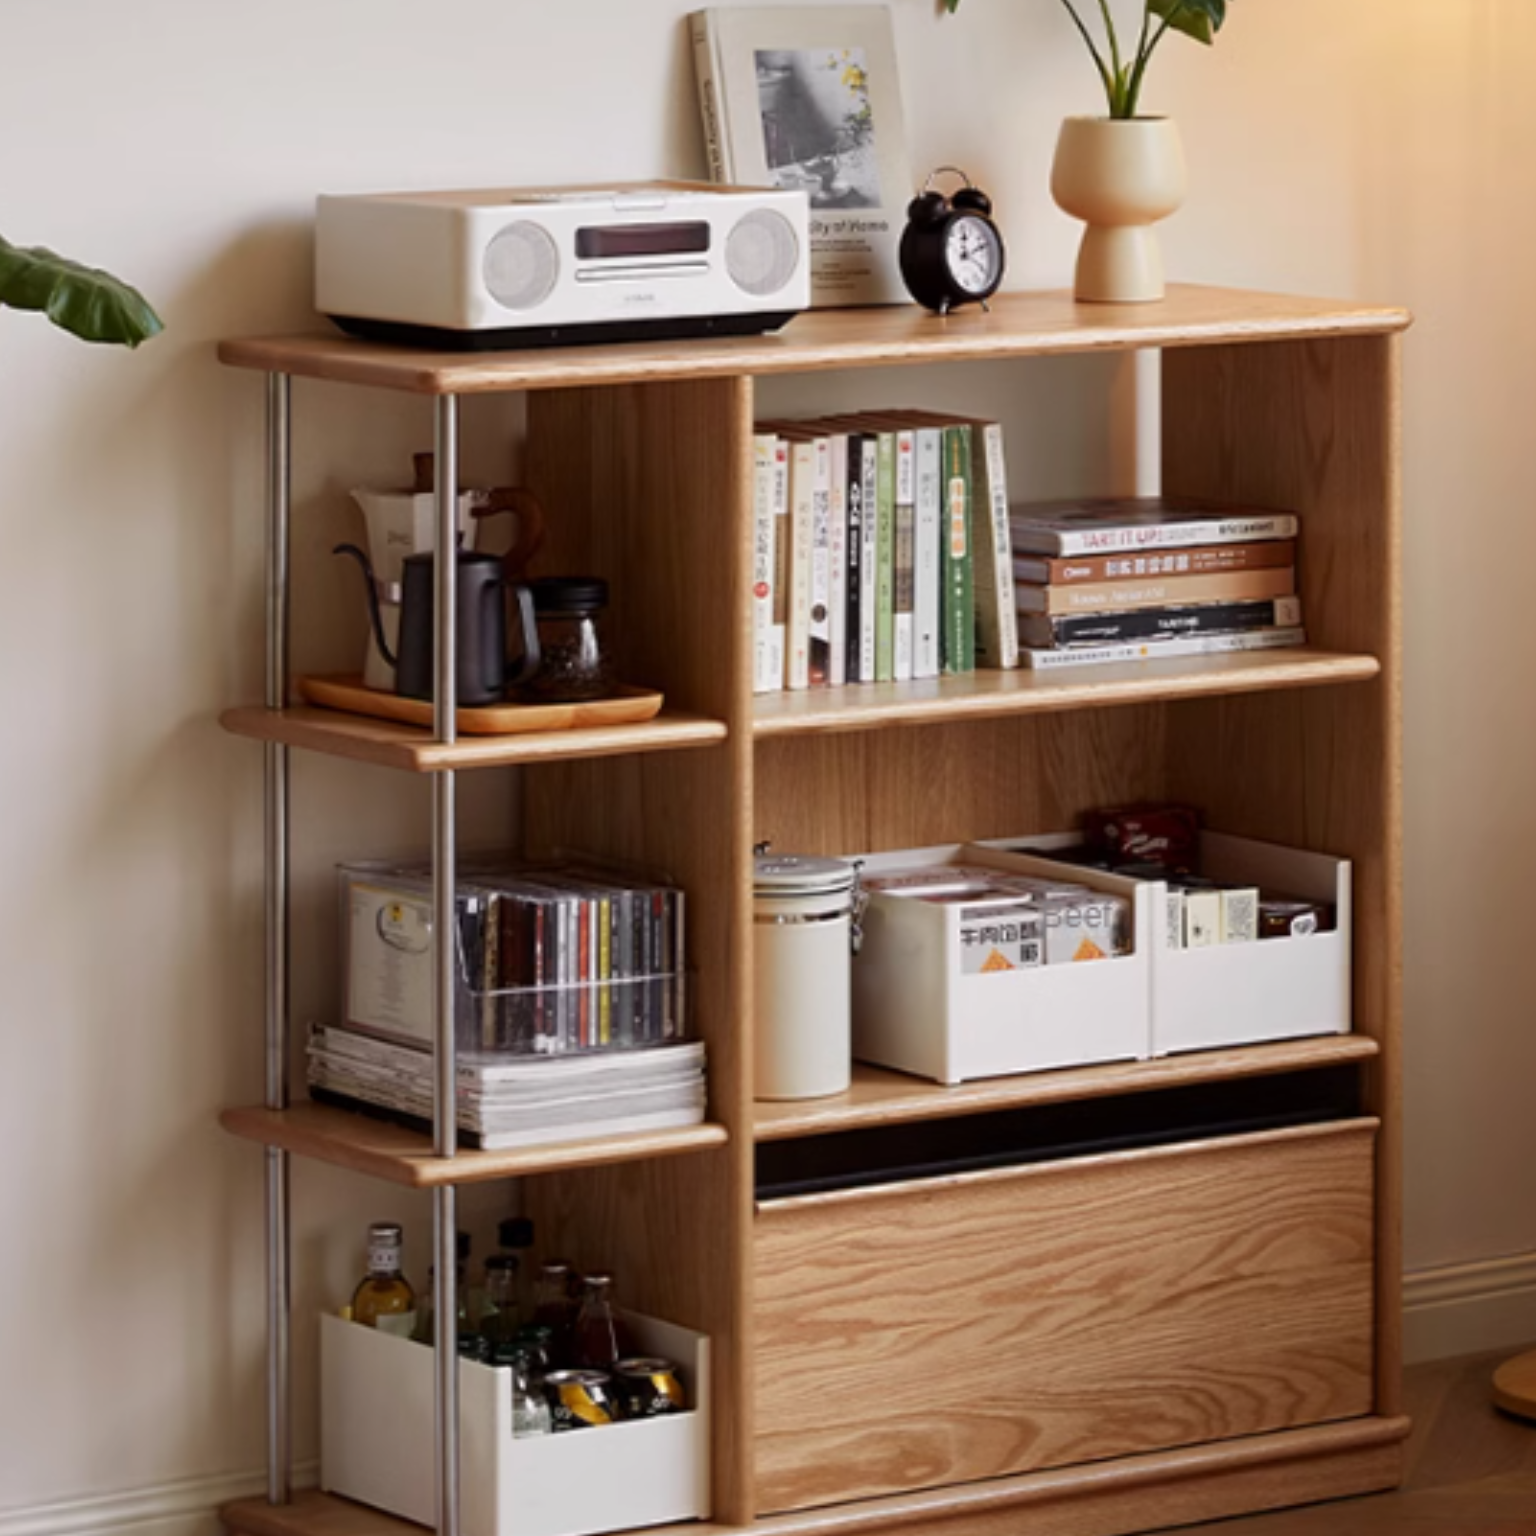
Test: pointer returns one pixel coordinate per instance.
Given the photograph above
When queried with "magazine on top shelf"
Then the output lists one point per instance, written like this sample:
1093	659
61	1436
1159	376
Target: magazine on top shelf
1100	526
808	97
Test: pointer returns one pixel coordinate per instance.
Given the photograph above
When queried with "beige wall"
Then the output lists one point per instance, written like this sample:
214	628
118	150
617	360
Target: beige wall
1381	155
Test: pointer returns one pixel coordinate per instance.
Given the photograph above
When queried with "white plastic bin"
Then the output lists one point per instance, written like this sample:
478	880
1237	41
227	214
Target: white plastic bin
1243	994
913	1009
377	1441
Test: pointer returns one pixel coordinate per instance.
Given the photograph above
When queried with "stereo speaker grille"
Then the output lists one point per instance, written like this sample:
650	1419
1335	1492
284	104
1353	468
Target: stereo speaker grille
520	265
761	252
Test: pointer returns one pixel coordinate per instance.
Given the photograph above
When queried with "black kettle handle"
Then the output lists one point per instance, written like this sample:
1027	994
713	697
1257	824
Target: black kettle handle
370	586
523	596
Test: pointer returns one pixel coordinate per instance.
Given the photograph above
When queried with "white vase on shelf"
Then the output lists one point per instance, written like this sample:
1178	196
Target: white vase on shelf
1120	176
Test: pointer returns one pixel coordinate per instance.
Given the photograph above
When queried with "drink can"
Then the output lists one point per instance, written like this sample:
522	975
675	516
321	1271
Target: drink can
578	1400
647	1387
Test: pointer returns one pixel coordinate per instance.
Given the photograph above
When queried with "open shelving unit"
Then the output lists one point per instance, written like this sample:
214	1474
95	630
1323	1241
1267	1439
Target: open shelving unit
1113	1295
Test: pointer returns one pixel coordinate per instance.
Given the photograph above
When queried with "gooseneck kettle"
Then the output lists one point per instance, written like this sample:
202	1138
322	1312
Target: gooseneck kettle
481	636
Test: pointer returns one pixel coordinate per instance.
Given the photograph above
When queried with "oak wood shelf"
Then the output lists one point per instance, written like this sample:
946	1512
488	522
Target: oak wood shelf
415	750
986	695
646	450
366	1144
1018	325
880	1097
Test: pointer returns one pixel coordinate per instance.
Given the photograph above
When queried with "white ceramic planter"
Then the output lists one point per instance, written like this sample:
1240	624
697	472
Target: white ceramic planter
1120	176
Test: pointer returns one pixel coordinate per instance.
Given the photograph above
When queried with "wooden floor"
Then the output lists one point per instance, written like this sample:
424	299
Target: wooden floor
1471	1470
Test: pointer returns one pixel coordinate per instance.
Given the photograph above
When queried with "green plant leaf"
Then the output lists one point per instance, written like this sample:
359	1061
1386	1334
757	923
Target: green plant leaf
84	301
1199	19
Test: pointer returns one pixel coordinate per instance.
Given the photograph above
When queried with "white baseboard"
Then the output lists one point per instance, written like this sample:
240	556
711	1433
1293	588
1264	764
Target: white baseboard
1467	1309
1458	1309
185	1508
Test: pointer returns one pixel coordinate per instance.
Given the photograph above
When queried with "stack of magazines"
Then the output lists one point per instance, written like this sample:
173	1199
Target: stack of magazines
1133	578
507	1101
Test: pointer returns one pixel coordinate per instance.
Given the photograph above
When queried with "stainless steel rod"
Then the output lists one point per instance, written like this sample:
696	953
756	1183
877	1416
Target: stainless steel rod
275	783
444	875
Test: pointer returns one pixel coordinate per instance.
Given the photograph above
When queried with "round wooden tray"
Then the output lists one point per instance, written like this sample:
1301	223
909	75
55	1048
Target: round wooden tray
627	706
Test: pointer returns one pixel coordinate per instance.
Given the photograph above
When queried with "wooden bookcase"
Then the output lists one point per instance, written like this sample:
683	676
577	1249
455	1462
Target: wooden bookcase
1213	1327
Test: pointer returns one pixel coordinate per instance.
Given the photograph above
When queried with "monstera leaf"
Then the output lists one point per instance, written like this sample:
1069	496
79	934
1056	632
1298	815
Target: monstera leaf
85	301
1199	19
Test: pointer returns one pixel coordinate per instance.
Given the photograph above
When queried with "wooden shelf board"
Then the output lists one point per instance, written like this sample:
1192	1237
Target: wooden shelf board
402	1156
881	1097
387	745
1019	325
1324	1461
980	695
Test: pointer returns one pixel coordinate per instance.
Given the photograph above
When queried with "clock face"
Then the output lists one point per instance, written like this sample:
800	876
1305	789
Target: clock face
973	253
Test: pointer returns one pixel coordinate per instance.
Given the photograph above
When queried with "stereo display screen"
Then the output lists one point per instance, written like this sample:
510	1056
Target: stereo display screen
601	241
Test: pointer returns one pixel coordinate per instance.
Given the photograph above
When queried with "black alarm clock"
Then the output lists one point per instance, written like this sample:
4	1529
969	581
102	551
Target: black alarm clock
951	252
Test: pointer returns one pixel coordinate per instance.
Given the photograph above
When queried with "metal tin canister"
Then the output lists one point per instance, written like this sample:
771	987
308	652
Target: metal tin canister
802	914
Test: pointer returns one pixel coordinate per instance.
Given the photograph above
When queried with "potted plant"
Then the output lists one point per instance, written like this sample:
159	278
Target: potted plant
1123	172
85	301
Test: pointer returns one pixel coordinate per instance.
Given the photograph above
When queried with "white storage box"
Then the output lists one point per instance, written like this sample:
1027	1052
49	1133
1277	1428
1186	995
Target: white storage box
377	1441
1242	994
914	1010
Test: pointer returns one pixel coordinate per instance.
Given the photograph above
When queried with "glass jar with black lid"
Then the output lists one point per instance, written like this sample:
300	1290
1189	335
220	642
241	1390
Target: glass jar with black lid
574	662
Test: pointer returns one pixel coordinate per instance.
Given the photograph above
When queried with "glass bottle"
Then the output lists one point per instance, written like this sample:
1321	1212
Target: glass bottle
466	1334
384	1298
530	1410
555	1309
514	1235
499	1323
600	1336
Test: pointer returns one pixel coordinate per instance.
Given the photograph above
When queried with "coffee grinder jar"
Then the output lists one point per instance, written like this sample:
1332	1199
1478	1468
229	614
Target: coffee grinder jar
803	914
574	661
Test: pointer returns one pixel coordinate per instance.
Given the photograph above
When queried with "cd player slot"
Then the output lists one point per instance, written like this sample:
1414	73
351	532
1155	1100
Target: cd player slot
638	274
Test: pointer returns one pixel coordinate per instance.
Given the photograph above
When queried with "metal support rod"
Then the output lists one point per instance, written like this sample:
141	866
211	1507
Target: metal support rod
444	873
275	783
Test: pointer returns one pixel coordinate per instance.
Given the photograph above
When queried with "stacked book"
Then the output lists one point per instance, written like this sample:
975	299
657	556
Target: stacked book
880	550
1122	579
505	1102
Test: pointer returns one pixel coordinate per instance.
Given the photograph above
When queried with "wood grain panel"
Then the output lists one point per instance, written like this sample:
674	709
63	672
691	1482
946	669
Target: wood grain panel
956	1329
649	487
1315	427
1017	325
909	788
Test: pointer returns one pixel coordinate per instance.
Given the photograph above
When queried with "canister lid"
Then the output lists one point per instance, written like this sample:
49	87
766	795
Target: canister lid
794	874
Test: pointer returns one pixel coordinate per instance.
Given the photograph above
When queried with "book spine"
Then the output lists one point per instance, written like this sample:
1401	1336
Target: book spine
820	662
603	971
1174	591
802	516
778	632
869	562
711	97
764	446
1202	560
885	557
1033	539
905	559
1151	650
927	577
997	630
1153	623
959	609
853	496
837	538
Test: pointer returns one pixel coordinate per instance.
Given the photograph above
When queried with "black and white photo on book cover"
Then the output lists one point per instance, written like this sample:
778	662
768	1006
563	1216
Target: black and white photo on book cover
808	99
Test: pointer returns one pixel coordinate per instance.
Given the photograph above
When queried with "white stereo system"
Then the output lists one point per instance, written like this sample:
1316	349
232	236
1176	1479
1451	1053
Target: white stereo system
540	267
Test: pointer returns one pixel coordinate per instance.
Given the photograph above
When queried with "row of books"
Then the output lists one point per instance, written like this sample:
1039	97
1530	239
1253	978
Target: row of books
501	1103
1121	579
881	550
